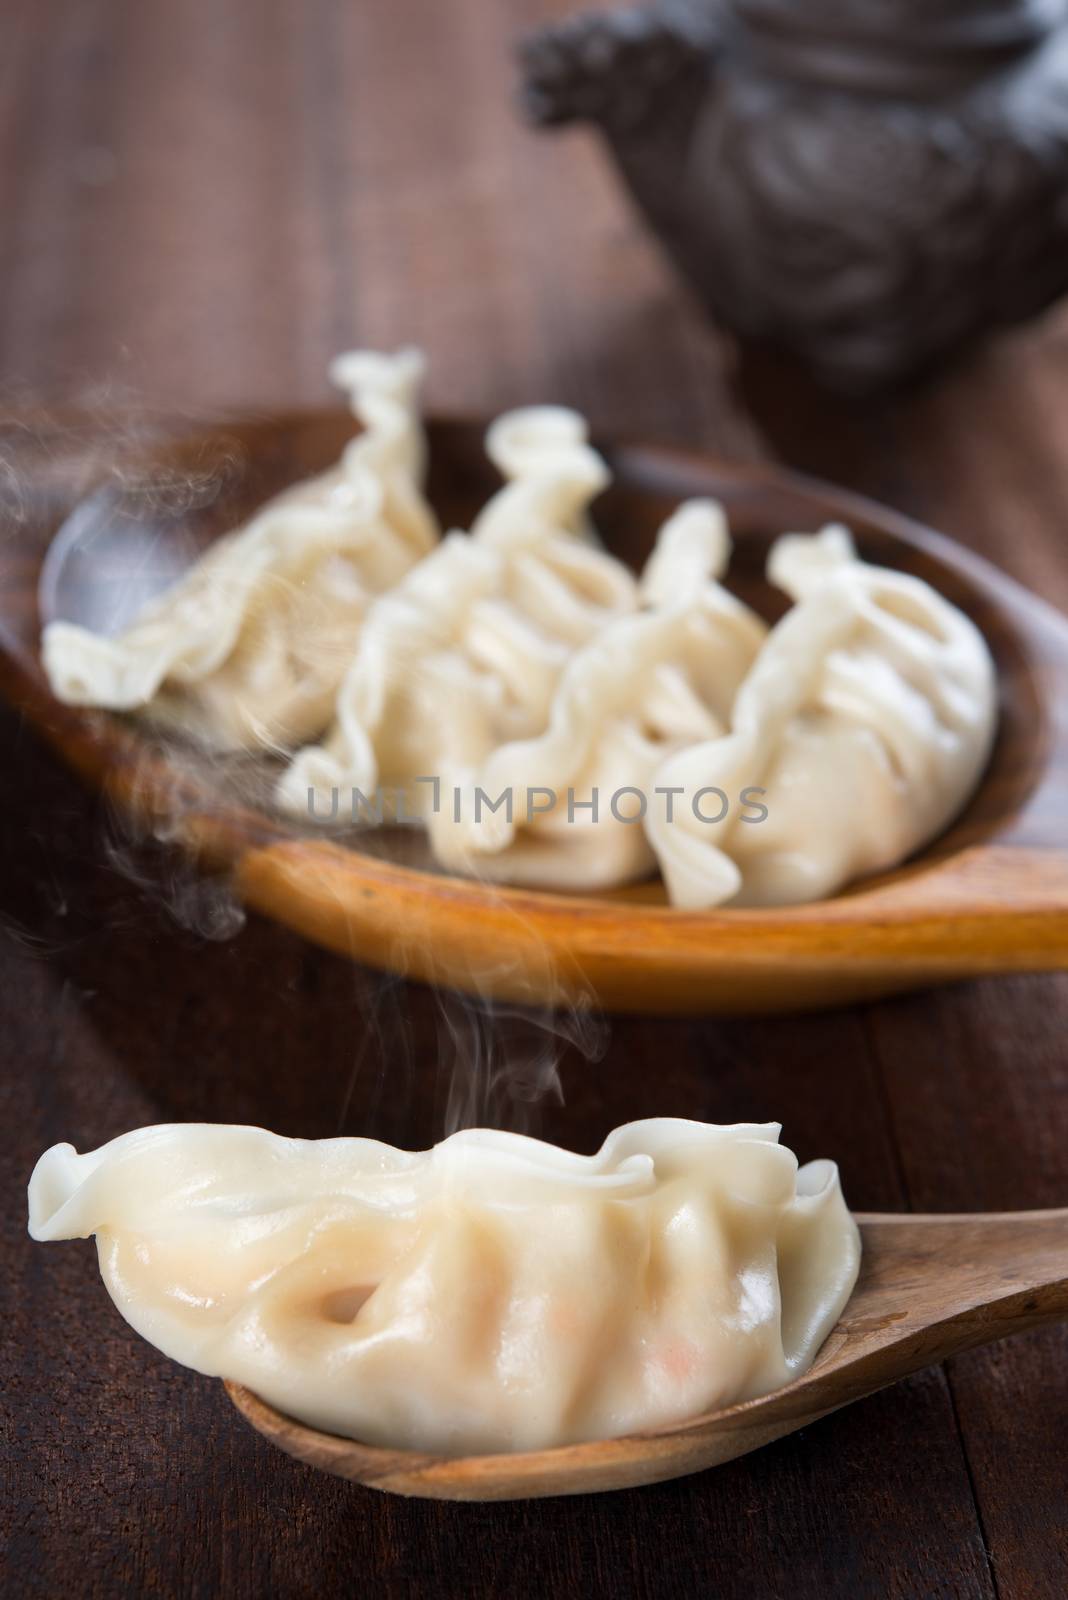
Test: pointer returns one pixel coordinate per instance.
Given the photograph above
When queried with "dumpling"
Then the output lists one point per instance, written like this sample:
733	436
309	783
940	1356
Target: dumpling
249	647
551	474
867	719
466	651
644	685
492	1294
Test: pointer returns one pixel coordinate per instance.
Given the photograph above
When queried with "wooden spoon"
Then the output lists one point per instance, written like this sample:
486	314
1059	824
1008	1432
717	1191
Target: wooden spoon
929	1287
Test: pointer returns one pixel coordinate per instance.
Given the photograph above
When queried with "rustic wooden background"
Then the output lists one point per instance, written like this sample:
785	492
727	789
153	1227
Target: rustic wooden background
199	203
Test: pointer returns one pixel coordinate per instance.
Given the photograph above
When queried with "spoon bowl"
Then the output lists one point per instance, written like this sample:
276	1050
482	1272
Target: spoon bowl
990	895
929	1287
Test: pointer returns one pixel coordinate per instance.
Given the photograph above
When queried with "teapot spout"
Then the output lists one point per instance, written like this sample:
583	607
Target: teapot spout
619	69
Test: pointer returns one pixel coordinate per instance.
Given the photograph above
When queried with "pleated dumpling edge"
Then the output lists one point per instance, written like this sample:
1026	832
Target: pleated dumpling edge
407	1299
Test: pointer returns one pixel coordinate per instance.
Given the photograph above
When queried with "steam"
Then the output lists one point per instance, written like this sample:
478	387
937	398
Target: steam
501	1063
437	1059
66	479
202	905
124	534
486	1038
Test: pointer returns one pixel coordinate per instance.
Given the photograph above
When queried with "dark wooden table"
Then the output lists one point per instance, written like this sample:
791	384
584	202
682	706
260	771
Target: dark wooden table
199	203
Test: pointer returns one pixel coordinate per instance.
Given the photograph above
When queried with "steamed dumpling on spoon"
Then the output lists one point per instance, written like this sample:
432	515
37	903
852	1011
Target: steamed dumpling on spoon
493	1293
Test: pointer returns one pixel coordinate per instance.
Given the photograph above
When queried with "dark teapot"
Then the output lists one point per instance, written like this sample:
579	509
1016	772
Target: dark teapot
865	182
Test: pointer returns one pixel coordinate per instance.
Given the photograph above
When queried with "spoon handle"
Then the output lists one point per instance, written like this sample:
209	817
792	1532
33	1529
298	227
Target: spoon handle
953	1282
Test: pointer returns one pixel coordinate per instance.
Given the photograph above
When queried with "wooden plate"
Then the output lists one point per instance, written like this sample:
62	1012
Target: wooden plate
991	895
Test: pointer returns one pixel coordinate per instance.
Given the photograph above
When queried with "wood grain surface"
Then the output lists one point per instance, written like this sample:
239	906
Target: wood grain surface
200	203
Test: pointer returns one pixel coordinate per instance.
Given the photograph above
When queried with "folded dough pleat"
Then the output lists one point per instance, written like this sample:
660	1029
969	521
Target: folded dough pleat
645	684
248	648
866	721
466	651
